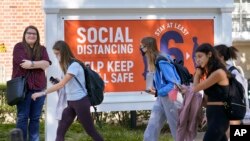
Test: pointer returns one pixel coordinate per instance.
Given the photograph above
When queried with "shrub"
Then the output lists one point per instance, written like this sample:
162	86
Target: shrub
7	113
3	87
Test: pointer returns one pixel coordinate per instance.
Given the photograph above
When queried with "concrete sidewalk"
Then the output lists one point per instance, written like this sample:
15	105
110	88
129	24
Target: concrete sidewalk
199	136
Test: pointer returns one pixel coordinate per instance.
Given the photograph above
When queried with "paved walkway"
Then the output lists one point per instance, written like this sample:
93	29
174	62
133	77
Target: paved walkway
199	136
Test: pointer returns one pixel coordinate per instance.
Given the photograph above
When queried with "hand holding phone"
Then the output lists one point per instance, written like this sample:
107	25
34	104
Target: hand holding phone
53	80
150	91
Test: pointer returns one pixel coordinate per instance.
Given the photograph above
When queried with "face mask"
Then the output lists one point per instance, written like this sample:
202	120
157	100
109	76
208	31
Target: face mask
142	52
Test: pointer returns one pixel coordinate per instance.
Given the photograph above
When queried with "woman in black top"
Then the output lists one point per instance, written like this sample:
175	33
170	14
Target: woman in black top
212	77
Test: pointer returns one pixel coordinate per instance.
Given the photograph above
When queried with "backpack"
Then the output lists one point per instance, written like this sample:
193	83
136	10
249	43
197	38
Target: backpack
235	104
94	84
242	80
185	76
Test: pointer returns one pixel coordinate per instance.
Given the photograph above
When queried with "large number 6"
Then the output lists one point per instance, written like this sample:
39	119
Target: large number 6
164	47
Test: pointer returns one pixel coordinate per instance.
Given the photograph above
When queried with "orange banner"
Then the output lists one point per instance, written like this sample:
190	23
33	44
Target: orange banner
111	47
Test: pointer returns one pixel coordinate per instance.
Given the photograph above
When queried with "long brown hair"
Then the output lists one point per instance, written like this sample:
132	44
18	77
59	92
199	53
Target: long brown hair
36	53
65	53
152	51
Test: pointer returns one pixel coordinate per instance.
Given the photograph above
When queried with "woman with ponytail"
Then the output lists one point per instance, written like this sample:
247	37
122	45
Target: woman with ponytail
226	54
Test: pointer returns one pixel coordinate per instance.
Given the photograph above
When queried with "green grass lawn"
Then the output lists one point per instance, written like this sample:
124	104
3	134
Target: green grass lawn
109	132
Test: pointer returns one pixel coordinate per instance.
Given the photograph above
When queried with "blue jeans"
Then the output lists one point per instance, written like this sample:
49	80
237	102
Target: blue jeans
28	115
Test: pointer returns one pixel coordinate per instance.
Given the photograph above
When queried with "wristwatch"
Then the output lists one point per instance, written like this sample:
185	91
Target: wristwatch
32	64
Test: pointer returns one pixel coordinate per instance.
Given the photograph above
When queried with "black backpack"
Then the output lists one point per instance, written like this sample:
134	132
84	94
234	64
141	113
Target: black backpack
185	76
94	84
235	103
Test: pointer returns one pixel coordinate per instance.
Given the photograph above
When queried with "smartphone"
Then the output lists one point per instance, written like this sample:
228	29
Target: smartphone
53	80
148	91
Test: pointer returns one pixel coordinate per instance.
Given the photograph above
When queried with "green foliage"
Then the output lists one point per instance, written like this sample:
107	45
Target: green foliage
112	133
4	131
108	131
3	86
6	128
6	112
122	117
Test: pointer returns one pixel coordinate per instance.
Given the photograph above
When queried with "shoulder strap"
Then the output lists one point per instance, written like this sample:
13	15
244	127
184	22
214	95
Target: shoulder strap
74	60
233	68
78	82
158	59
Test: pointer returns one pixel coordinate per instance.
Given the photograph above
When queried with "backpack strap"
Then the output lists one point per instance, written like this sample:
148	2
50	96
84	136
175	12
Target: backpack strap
159	58
233	68
72	61
78	82
162	58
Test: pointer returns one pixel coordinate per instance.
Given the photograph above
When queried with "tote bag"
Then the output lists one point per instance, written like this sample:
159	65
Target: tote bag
16	89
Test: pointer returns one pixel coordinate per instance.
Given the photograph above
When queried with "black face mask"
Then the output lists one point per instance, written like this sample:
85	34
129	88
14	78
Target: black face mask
142	52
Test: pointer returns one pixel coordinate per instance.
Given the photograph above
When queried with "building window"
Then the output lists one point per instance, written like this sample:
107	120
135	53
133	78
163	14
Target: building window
241	19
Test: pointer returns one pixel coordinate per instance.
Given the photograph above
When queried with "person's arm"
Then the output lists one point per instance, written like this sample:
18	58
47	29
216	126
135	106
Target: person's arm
218	76
18	54
42	64
28	64
197	76
53	88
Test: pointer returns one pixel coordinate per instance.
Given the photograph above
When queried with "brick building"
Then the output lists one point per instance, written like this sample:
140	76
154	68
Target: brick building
15	15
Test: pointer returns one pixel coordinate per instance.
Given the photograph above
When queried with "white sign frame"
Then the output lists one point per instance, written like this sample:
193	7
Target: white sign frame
124	101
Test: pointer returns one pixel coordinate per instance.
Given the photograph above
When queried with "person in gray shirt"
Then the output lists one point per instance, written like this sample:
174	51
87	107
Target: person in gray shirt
78	102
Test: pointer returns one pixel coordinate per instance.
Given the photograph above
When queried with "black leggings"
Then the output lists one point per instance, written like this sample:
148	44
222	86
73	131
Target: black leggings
81	109
217	124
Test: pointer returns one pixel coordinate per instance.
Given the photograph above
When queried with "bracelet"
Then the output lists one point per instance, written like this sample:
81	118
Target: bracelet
32	64
44	93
